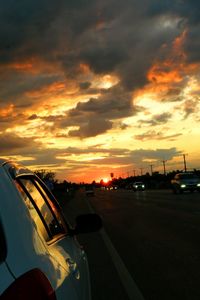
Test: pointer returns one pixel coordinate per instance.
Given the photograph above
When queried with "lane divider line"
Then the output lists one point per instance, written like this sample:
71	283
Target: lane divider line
127	281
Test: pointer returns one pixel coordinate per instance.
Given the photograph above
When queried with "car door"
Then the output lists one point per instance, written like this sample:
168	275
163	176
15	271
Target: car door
67	256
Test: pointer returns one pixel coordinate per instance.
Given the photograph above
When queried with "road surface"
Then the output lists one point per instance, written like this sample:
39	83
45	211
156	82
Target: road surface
149	248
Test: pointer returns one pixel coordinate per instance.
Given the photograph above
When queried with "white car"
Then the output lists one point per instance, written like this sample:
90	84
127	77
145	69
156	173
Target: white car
40	257
186	181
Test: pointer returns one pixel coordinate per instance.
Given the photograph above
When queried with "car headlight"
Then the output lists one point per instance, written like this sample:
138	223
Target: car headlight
183	185
198	184
143	185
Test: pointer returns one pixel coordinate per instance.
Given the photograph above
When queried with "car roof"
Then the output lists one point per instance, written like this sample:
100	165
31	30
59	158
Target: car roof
186	173
14	168
3	161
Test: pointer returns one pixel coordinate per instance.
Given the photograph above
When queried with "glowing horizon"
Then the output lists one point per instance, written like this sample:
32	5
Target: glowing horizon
84	99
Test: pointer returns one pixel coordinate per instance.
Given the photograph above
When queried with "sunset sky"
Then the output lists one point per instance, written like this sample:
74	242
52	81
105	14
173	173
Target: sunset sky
90	87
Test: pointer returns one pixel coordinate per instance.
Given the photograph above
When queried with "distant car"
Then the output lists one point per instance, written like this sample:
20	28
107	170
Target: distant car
39	256
185	182
114	187
138	186
89	190
111	187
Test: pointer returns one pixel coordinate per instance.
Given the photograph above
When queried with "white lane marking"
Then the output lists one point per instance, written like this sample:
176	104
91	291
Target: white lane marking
127	281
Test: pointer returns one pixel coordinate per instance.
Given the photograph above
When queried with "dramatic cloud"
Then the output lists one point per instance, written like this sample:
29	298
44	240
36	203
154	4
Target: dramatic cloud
95	116
82	73
11	144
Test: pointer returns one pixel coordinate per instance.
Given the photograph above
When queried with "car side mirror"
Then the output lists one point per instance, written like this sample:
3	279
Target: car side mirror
87	223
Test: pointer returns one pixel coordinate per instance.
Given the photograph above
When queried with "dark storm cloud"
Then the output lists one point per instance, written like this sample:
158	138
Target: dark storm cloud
115	103
102	33
14	86
123	38
189	9
93	127
12	144
192	44
127	43
23	27
189	12
84	85
95	116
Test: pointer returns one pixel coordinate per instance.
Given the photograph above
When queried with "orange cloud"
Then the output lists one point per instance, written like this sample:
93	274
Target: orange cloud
48	90
33	65
164	73
172	69
27	66
178	44
5	112
84	68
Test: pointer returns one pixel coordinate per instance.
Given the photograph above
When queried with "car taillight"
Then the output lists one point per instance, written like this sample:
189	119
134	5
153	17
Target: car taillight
32	285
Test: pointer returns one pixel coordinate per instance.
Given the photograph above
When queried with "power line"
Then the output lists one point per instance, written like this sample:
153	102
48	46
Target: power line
184	161
151	169
164	161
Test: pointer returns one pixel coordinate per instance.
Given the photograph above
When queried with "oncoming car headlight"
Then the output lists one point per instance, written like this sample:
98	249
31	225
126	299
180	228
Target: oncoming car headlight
198	184
183	186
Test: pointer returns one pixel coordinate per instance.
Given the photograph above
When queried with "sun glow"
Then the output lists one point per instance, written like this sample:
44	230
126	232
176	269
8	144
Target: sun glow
105	180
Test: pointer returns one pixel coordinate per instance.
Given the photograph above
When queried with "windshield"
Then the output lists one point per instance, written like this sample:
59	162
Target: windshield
188	176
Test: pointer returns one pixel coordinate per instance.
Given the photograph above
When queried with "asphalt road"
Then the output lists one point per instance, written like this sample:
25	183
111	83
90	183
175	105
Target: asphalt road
150	248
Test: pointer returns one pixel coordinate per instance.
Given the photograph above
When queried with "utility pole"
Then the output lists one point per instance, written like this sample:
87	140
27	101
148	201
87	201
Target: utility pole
151	169
164	161
184	161
141	170
134	173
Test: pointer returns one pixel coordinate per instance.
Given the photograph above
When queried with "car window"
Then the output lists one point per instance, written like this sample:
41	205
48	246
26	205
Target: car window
42	211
